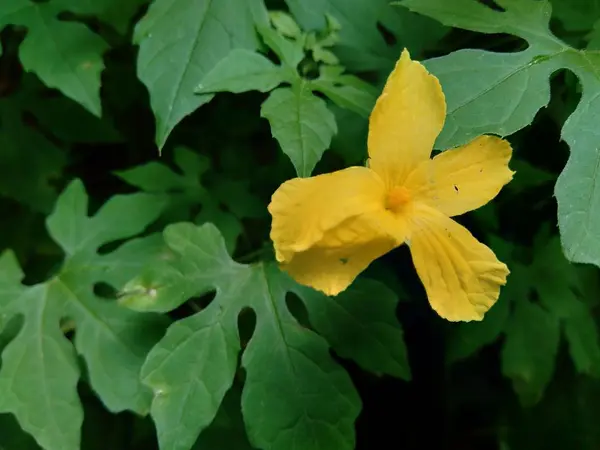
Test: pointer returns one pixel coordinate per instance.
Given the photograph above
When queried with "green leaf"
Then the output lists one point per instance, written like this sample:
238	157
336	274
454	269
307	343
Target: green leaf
171	64
527	176
56	115
357	328
285	24
346	91
563	293
64	55
295	395
227	429
118	13
474	79
529	353
325	56
351	140
185	191
362	46
240	71
471	337
29	162
39	373
301	123
576	15
517	84
581	332
289	52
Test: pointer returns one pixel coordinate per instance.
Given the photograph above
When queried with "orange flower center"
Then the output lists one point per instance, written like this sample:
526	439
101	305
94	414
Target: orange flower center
397	198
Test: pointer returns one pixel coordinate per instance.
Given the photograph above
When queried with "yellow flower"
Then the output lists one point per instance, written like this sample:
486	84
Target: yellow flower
328	228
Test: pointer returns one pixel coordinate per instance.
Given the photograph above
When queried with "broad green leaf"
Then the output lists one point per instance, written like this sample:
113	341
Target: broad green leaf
186	191
517	84
362	46
118	13
29	162
360	324
529	353
63	54
301	123
180	42
345	90
39	372
240	71
295	395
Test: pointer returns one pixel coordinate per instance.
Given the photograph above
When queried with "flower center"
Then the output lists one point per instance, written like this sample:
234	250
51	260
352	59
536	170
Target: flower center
397	198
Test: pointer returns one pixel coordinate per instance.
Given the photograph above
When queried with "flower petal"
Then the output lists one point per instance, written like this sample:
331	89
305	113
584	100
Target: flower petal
465	178
345	251
462	276
405	121
304	209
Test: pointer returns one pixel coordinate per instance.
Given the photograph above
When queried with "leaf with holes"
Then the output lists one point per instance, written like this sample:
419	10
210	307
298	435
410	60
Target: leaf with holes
517	84
295	395
301	123
40	372
180	42
65	55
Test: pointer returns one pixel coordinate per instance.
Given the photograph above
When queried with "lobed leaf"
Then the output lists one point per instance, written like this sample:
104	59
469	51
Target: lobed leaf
295	395
517	84
40	371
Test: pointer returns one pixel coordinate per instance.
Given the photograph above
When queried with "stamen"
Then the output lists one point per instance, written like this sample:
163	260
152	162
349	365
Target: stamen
397	198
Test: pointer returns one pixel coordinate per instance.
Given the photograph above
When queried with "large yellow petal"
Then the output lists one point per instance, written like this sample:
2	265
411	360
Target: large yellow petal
405	121
333	263
304	209
465	178
462	276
